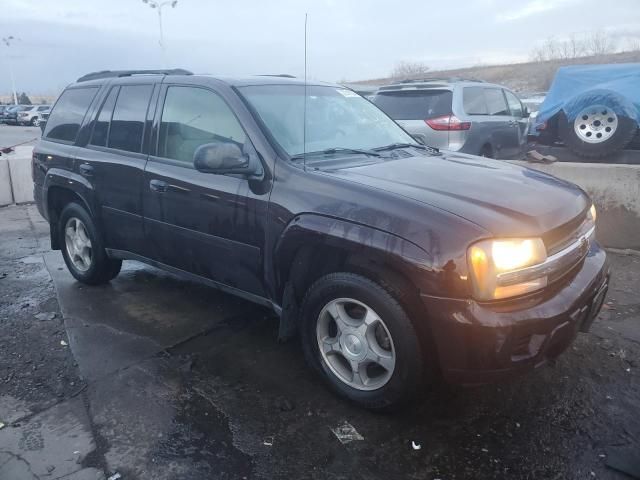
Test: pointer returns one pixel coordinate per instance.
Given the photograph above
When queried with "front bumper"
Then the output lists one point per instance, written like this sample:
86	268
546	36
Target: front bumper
483	343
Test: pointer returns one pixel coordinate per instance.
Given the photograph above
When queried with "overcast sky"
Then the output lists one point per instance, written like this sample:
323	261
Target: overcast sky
60	40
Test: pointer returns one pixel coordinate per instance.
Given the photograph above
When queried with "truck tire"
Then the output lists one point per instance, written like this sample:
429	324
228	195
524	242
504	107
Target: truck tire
597	131
358	337
82	247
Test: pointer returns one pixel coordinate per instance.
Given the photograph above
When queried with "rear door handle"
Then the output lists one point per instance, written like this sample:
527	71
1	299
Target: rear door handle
86	170
158	186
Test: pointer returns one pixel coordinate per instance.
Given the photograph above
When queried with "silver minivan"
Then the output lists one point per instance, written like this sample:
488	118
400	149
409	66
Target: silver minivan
459	115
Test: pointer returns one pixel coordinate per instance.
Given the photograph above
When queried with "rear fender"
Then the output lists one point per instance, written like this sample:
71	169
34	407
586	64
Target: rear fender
80	187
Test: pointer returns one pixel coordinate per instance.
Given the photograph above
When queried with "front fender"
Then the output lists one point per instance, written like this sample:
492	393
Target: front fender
352	238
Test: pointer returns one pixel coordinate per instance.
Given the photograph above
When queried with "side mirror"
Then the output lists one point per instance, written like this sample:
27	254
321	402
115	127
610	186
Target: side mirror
224	158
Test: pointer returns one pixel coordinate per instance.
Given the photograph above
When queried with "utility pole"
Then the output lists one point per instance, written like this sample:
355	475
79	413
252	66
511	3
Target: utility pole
158	7
8	41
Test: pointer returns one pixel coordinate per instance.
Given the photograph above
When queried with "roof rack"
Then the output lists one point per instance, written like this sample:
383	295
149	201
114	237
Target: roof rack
128	73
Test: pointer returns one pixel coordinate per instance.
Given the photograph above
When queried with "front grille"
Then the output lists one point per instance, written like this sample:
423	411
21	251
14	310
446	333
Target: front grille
564	235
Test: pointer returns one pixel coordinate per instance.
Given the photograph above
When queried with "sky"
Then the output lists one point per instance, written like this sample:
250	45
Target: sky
348	40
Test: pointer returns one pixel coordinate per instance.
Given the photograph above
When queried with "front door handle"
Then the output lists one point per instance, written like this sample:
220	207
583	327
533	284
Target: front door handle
86	170
158	186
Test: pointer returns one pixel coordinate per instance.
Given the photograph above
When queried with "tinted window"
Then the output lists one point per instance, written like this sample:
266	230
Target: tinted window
496	104
414	105
129	116
192	117
473	101
514	104
66	118
101	126
42	109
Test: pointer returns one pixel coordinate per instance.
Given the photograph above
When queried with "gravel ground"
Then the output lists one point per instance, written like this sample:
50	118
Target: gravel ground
168	379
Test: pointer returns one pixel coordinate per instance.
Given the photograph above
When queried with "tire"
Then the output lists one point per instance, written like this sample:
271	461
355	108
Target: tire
35	121
570	131
87	262
384	389
486	151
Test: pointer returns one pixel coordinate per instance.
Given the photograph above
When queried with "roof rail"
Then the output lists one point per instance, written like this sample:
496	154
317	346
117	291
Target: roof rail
281	75
128	73
441	79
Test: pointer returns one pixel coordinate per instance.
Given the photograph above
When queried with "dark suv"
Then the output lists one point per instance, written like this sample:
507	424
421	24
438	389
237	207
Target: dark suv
396	263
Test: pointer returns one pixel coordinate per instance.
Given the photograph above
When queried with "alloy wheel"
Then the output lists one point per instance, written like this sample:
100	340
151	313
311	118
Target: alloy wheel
355	344
78	244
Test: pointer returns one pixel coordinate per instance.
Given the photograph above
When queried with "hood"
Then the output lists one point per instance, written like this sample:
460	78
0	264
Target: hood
504	199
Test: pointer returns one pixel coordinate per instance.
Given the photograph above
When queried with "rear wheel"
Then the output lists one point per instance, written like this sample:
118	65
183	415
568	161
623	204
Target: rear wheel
82	247
597	131
360	339
486	151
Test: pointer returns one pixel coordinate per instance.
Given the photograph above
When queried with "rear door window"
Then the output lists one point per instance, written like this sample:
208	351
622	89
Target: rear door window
129	115
101	125
496	104
415	105
473	101
66	118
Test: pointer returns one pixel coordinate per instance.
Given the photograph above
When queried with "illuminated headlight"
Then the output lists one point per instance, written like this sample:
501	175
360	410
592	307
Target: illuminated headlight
494	264
592	213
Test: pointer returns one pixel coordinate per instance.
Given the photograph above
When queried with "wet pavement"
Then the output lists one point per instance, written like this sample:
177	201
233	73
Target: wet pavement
162	378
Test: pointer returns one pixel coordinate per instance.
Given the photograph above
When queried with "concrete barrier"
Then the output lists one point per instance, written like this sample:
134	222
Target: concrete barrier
20	172
615	190
6	191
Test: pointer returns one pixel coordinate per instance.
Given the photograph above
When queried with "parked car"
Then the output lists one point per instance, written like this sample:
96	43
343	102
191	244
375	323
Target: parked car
395	262
459	115
32	115
3	108
593	109
10	116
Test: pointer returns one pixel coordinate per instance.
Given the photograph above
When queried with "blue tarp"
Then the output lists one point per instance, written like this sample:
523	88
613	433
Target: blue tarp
576	87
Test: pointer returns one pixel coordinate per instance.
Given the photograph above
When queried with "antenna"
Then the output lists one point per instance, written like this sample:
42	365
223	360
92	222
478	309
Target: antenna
304	114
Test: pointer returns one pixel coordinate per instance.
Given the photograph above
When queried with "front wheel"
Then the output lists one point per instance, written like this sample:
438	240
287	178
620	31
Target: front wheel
82	247
360	339
35	122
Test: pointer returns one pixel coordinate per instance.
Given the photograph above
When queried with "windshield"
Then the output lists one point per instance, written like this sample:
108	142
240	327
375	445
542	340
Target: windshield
336	118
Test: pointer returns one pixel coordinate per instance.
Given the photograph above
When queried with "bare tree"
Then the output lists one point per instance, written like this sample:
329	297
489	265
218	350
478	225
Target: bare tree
409	70
573	47
599	43
549	50
633	45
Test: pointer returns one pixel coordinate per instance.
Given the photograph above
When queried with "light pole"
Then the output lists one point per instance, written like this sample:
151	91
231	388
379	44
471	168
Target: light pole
157	5
8	41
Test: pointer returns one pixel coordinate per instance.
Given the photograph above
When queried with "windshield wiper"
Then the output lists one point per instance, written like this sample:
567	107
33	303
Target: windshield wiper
331	151
395	146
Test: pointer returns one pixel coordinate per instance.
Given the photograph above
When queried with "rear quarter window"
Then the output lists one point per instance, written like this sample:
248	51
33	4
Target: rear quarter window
414	105
66	117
